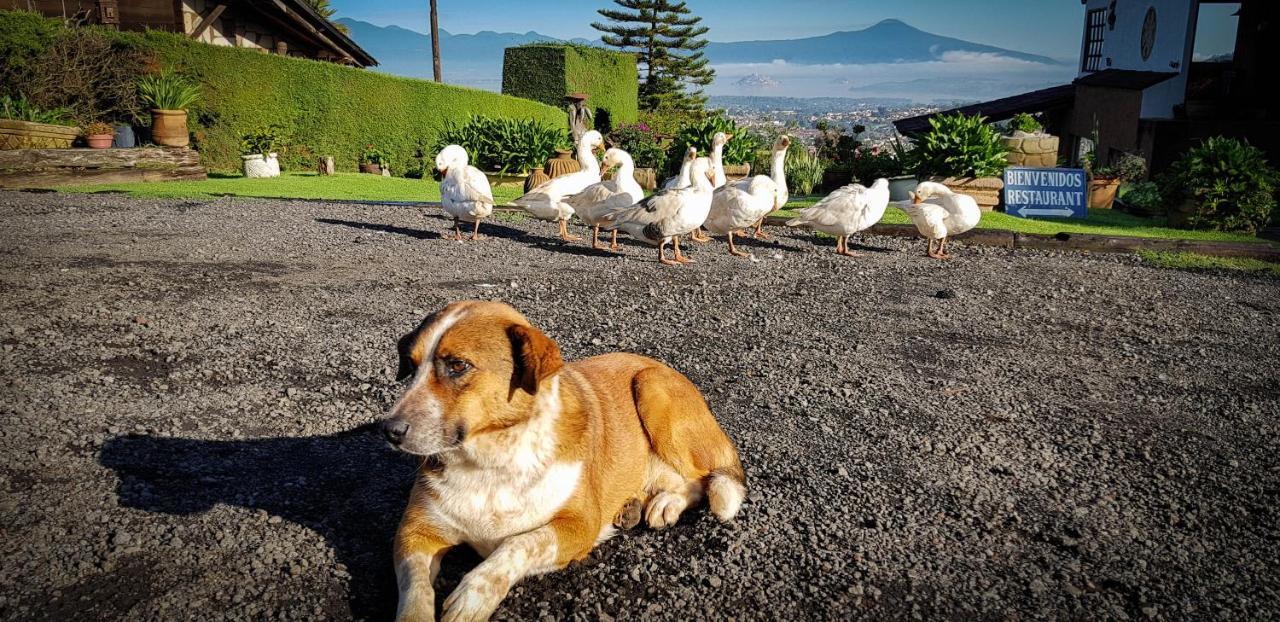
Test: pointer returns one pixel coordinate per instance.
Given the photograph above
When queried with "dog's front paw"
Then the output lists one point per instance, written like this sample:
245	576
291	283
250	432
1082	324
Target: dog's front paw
475	599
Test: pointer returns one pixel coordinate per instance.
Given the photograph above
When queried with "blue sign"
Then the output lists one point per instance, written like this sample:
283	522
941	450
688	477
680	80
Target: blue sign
1052	192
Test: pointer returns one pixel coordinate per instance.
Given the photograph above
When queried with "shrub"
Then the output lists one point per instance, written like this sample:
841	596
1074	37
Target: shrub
168	91
835	146
505	145
872	164
546	72
959	146
804	170
1223	184
263	140
98	128
741	149
19	109
1126	168
1024	122
322	108
639	140
1143	199
373	155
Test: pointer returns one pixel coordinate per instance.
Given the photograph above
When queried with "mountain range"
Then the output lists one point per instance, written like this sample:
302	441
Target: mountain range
476	59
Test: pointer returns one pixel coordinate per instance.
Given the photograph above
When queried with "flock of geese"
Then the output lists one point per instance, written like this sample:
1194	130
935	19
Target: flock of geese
699	198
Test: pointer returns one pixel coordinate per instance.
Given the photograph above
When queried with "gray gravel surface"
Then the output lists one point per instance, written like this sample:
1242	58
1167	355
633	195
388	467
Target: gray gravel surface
187	388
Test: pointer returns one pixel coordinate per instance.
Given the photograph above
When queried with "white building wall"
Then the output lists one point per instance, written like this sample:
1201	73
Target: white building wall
1174	42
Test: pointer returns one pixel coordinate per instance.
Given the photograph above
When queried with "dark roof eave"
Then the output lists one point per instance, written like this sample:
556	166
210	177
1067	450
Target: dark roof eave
329	30
1060	96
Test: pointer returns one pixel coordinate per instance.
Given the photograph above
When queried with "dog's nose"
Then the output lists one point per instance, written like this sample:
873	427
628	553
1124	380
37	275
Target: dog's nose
394	430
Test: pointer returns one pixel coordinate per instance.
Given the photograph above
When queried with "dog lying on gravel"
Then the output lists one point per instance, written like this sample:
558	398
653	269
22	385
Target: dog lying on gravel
532	461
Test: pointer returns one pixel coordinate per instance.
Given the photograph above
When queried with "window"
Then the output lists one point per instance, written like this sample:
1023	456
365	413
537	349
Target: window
1095	26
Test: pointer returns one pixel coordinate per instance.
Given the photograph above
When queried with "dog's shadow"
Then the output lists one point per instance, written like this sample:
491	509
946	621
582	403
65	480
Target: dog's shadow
347	487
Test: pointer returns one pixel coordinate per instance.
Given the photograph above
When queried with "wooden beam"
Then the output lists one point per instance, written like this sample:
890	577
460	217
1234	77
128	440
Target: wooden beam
207	21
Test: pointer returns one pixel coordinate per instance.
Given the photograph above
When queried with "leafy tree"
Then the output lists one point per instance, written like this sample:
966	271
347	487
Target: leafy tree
669	43
322	7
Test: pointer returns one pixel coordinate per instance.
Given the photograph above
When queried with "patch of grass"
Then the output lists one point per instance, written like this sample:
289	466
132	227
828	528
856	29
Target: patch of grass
342	187
1193	261
1099	222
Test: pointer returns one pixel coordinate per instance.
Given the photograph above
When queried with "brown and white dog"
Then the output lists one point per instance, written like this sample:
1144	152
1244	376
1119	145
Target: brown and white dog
532	461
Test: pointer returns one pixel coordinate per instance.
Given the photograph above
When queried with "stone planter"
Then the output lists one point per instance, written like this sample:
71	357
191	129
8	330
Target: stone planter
562	164
273	162
99	141
370	168
1102	192
169	128
734	172
984	190
257	166
536	178
1032	150
900	188
27	135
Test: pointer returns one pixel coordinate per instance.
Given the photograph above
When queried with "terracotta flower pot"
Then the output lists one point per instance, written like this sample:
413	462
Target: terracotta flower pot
370	168
562	164
100	141
1102	192
169	128
536	178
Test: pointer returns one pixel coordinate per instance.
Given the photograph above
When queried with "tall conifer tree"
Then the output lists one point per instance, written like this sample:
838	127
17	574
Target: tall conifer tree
669	42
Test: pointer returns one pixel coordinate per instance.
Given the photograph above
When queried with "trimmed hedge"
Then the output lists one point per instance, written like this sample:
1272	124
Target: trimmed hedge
546	72
321	108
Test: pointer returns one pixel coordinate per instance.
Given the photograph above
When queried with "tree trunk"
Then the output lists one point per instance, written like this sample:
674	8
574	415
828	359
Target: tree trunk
435	42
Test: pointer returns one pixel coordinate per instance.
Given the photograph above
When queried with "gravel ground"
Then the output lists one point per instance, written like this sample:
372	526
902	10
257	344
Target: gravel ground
188	388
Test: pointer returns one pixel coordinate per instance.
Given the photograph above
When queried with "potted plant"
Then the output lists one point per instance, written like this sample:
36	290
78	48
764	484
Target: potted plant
372	159
963	153
99	135
506	150
1223	184
169	95
1104	181
804	170
1027	143
639	140
23	125
259	157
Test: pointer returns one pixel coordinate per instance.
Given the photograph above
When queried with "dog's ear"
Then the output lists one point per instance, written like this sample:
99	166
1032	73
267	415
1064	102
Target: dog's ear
534	355
407	347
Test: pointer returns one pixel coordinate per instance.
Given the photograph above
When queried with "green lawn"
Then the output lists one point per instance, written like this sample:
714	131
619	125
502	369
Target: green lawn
342	186
357	187
1193	261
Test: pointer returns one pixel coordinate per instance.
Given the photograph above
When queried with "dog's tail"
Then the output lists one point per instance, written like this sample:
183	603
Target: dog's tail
726	487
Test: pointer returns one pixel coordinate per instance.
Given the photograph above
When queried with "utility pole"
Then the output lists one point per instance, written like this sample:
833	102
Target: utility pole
435	42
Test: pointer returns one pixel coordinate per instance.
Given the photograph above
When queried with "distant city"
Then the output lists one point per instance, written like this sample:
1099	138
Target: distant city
799	115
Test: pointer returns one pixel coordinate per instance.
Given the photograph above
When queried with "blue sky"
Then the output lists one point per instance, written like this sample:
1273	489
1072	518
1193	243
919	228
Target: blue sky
1050	27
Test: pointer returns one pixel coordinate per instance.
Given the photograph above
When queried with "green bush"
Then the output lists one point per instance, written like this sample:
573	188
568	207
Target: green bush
168	91
263	140
1223	185
1143	199
959	146
505	145
741	149
546	72
1127	167
639	140
322	108
1024	122
373	155
19	109
872	164
804	170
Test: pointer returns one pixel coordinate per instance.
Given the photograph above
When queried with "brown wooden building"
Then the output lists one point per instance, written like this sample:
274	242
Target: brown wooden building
286	27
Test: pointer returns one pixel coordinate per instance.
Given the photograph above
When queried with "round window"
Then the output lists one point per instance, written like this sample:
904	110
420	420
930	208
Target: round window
1149	33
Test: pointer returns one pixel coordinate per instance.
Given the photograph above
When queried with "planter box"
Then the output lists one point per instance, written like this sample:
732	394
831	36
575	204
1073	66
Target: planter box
984	190
1102	193
1033	150
27	135
734	172
900	188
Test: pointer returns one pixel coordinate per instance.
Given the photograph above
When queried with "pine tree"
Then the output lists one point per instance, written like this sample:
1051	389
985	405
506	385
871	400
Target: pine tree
669	43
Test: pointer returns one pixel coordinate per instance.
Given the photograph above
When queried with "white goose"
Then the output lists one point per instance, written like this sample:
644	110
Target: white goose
682	179
598	200
845	212
744	202
939	213
464	192
665	216
546	201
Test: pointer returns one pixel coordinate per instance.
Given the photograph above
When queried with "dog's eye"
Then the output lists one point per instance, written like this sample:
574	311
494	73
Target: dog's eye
455	368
